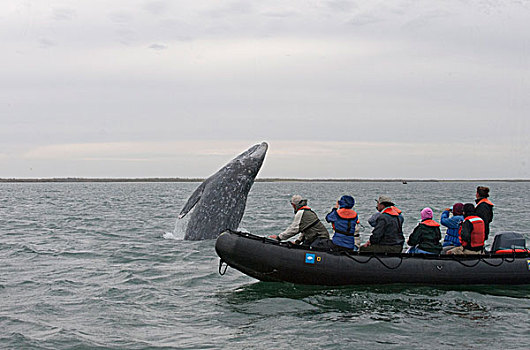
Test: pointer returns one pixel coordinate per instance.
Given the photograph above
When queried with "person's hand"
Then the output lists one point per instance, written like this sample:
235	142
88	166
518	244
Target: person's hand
275	237
447	209
336	205
366	244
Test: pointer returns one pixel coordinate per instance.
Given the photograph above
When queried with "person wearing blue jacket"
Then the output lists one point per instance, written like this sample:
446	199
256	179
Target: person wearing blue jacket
452	238
344	221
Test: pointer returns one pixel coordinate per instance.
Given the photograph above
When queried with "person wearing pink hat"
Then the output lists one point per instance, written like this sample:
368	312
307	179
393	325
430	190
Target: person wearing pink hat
426	236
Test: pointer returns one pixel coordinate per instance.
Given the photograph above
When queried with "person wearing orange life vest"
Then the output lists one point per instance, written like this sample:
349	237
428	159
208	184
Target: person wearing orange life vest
344	221
484	208
312	232
387	235
472	233
426	236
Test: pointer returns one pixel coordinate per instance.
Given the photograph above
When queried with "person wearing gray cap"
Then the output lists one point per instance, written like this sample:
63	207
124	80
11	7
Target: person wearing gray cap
387	235
306	222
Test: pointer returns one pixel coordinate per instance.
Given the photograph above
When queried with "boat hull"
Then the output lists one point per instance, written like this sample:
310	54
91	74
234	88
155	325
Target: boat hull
268	260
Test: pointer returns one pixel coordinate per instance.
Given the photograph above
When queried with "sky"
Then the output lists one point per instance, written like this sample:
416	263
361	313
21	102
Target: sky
338	89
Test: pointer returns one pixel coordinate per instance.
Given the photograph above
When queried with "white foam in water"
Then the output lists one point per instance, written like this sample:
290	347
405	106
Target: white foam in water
179	231
169	235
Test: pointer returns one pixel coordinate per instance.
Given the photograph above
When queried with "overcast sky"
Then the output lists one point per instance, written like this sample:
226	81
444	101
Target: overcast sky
339	89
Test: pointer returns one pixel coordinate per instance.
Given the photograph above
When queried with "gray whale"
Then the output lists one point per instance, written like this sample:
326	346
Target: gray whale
221	199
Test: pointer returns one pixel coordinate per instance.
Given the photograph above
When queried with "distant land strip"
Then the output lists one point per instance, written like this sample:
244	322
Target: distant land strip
177	179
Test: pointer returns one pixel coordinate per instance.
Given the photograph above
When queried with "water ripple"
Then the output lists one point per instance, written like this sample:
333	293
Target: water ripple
104	265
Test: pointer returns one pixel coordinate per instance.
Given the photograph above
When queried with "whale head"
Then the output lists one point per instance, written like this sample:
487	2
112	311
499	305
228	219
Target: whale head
248	163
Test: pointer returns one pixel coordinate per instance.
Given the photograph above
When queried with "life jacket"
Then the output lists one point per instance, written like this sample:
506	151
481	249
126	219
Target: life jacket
350	216
485	200
305	207
396	209
478	233
430	222
393	211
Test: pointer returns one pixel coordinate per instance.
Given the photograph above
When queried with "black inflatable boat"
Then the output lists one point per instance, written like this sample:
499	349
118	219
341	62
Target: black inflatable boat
269	260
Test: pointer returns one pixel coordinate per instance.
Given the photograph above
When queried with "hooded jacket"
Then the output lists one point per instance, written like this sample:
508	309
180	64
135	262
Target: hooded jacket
344	221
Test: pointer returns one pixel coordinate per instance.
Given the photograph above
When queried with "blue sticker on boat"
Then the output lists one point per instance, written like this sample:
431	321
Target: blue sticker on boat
310	258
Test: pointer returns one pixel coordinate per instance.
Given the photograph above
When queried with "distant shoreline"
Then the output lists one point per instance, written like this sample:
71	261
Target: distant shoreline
176	179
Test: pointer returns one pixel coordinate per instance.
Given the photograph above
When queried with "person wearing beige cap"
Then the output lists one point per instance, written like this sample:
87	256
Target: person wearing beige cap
306	222
387	235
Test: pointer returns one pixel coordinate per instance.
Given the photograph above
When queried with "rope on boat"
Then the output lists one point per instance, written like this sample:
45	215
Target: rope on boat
494	265
483	259
378	258
461	263
388	267
221	271
454	257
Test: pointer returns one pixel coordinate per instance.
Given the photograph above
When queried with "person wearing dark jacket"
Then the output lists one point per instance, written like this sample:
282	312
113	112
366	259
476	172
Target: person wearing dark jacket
472	233
484	208
344	221
387	235
313	233
426	236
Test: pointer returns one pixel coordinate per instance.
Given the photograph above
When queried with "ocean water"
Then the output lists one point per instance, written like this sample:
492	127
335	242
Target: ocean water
104	266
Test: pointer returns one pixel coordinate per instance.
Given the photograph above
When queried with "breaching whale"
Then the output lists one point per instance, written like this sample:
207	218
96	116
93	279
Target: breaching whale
221	199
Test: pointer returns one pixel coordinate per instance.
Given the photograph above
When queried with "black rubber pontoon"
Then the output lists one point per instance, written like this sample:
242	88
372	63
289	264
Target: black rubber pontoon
269	260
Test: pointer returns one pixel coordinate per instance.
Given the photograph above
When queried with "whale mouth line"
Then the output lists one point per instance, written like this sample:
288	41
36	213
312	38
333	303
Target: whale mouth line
260	150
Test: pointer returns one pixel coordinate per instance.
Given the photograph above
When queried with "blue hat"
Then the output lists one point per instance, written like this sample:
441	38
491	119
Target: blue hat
346	202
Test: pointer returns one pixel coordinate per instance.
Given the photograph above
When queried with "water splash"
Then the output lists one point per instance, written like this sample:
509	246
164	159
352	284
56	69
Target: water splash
169	235
179	231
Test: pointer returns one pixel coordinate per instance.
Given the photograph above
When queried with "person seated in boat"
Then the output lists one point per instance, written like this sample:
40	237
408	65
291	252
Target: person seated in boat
472	233
452	239
313	233
426	236
387	235
484	208
344	221
373	219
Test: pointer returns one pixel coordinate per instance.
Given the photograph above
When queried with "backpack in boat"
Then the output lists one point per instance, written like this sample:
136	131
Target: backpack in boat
508	242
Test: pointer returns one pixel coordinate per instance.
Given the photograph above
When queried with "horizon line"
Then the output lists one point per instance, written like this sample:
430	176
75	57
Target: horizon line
270	179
